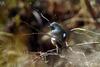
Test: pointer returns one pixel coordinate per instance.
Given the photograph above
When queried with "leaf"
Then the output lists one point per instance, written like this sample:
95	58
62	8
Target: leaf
79	30
85	31
5	34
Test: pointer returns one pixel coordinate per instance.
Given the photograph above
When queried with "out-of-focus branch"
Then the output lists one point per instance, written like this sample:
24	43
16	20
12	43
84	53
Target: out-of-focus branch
90	9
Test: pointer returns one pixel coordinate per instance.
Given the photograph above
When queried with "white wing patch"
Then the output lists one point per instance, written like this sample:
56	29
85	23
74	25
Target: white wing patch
64	35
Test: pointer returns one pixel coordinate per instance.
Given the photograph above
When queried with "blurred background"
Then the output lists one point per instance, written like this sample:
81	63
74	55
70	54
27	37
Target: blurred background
19	46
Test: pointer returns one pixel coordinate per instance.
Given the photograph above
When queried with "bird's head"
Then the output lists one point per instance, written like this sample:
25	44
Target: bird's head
54	25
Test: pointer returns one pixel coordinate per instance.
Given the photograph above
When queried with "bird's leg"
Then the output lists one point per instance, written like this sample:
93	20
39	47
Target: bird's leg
57	49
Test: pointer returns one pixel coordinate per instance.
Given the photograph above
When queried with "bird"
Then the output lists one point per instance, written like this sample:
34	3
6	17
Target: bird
58	36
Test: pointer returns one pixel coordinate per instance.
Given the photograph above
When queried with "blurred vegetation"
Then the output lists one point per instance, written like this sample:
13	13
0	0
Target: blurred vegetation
15	48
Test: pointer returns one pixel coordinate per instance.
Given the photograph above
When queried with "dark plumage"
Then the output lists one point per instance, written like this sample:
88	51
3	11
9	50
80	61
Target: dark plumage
58	36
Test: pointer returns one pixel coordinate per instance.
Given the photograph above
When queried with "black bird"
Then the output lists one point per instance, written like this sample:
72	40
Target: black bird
58	36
